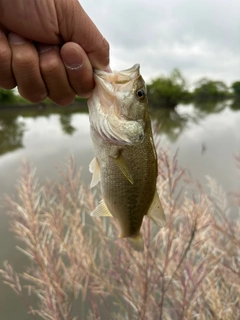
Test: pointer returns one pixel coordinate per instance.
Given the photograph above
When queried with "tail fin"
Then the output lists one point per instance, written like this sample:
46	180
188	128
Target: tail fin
136	242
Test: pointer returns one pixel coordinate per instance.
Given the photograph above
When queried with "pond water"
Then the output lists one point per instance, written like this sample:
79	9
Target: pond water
207	136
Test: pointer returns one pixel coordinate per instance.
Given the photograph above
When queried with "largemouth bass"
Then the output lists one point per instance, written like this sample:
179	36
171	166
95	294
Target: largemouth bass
125	160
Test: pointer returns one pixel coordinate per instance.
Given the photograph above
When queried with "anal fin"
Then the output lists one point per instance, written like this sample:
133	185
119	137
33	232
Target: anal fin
155	212
101	210
94	168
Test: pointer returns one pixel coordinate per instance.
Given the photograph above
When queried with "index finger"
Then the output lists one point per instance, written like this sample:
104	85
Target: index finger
76	26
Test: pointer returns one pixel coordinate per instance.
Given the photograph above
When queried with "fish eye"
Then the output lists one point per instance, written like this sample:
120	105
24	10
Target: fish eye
140	94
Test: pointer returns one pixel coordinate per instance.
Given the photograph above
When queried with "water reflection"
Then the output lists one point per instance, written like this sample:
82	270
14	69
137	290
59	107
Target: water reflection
11	132
172	123
235	105
13	126
204	108
65	121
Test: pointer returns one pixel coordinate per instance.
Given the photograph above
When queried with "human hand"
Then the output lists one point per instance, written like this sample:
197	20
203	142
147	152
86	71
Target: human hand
49	48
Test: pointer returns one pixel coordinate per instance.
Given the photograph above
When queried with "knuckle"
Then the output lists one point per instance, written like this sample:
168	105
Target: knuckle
105	45
32	97
7	80
24	59
49	66
5	56
35	99
63	101
8	84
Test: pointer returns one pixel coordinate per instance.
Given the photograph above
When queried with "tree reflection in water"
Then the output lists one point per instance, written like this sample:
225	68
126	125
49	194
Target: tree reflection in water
235	105
11	132
65	121
12	129
173	121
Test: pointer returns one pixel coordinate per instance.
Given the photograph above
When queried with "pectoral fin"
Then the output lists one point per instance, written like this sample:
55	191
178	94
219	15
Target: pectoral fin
155	212
123	167
94	168
101	210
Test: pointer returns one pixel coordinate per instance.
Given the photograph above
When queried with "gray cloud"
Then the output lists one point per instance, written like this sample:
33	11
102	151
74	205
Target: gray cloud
201	38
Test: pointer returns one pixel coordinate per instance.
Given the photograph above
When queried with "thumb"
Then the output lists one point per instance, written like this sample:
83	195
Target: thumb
75	25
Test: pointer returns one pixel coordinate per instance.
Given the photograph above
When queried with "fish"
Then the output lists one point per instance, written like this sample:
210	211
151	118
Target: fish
125	160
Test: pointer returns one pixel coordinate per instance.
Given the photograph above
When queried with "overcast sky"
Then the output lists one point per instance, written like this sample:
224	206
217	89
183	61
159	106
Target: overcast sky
200	37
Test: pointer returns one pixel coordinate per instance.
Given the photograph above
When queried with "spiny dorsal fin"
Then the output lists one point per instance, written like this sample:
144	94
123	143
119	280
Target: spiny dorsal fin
94	168
155	212
101	210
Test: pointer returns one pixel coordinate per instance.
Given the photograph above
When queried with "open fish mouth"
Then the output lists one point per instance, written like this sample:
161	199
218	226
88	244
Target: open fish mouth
120	77
114	109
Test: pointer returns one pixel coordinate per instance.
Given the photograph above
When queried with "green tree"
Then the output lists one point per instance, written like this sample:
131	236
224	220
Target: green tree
236	89
207	89
7	96
167	91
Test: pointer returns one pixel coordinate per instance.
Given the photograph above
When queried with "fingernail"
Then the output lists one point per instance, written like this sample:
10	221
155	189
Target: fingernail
73	60
43	47
15	38
108	69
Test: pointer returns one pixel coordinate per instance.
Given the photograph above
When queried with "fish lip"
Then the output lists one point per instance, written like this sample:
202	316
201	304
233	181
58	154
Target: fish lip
135	67
105	85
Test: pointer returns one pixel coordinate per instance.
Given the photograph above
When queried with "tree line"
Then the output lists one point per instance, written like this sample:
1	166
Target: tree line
167	91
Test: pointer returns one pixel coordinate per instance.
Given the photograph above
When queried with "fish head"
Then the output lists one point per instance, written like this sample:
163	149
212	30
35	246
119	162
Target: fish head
119	106
131	94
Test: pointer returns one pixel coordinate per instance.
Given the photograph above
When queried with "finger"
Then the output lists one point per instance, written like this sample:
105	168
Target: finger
55	76
79	69
75	25
99	54
25	66
7	80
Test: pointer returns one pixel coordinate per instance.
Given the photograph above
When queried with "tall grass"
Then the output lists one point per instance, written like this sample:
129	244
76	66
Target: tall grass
78	270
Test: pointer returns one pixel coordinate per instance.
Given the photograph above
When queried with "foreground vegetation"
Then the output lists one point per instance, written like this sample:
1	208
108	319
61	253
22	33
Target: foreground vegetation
190	269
